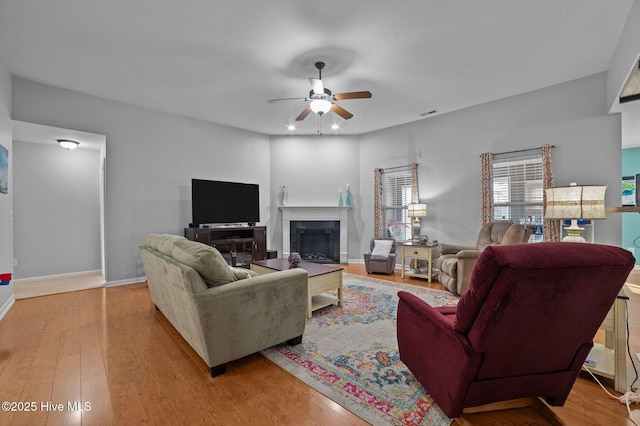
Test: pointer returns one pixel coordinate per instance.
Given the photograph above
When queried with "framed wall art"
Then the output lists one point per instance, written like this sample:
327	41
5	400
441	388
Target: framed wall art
4	170
628	190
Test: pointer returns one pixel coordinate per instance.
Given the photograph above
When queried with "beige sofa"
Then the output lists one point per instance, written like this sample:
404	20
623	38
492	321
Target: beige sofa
224	313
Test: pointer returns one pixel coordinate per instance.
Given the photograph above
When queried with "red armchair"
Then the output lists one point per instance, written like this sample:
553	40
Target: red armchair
522	330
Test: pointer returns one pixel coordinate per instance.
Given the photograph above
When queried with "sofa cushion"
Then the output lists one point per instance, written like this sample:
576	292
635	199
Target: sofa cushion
381	248
163	242
205	259
241	273
449	265
513	235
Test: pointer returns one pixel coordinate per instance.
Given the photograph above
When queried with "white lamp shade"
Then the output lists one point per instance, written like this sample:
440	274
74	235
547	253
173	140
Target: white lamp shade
575	202
320	106
417	210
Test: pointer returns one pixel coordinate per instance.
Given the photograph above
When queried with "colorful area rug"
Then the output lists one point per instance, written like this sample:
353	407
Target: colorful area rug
350	354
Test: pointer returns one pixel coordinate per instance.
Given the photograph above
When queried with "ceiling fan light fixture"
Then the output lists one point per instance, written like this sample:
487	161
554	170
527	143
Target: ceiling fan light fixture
320	106
68	144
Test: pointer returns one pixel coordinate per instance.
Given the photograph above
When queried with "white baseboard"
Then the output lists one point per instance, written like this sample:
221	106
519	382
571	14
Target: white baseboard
5	308
125	282
55	277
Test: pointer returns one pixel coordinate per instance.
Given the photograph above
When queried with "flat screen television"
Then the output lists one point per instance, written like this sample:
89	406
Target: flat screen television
217	202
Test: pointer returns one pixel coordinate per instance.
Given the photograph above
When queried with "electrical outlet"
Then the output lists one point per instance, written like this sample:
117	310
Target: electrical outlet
15	262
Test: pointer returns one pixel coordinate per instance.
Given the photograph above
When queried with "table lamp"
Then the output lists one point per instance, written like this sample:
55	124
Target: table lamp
575	202
416	211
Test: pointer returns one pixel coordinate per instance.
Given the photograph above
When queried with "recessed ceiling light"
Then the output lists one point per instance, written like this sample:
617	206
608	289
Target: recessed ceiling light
291	127
335	126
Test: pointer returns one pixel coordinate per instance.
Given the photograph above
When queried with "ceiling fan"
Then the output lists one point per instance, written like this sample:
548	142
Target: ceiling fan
322	100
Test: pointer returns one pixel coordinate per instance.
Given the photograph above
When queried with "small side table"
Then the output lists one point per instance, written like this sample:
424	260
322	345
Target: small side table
419	252
611	358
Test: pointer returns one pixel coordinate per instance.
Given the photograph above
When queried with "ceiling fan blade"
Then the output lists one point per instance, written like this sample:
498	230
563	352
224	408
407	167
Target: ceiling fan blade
352	95
303	114
341	111
317	86
288	99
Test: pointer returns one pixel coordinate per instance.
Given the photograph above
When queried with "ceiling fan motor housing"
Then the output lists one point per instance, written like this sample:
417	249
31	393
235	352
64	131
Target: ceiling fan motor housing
327	94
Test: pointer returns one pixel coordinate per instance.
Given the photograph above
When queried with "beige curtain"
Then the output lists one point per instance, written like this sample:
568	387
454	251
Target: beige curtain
486	188
551	229
414	184
377	200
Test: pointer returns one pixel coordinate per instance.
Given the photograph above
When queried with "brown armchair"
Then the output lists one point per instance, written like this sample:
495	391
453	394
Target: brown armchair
456	262
382	258
522	330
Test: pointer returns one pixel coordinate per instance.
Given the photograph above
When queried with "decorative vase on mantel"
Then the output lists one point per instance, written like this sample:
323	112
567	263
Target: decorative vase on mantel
284	195
348	198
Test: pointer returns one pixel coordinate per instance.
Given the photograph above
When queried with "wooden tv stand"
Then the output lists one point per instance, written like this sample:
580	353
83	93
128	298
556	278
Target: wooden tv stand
240	245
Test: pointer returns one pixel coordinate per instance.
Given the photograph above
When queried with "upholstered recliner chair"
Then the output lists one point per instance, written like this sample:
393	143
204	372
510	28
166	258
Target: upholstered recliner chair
521	331
382	258
456	261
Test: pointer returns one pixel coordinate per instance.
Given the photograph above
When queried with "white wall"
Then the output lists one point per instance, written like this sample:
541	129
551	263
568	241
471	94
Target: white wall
150	159
572	116
315	169
56	210
6	203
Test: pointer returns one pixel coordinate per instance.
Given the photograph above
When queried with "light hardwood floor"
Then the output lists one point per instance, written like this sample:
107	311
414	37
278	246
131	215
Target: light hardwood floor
23	289
110	347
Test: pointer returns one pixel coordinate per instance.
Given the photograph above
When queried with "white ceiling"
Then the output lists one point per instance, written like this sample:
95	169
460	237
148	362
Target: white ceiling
221	61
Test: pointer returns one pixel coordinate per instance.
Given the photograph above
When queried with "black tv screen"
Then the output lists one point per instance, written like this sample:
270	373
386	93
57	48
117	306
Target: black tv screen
218	202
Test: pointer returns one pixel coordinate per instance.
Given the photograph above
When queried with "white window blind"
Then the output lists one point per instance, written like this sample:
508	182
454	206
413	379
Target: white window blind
397	190
518	192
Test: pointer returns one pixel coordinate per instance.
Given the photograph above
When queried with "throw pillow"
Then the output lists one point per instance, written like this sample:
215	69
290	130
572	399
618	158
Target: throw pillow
241	273
205	259
382	248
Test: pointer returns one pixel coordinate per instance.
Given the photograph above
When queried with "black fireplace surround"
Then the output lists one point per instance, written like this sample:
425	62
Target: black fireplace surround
316	240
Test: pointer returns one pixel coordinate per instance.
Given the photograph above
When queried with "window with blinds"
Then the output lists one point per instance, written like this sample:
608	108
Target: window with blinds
518	192
397	190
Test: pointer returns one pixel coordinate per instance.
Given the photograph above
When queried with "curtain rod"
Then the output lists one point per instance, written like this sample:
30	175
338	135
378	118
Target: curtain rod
519	150
397	167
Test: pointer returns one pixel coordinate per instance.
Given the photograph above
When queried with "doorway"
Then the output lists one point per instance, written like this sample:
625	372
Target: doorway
58	206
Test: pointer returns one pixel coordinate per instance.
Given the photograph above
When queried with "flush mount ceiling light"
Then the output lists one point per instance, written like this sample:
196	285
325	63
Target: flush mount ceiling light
68	144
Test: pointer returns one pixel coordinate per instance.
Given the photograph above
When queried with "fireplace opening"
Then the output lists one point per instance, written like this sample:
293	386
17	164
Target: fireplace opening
316	241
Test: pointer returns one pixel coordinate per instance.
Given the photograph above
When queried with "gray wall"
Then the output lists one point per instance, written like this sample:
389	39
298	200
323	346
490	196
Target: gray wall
6	203
315	169
150	159
56	210
572	116
625	57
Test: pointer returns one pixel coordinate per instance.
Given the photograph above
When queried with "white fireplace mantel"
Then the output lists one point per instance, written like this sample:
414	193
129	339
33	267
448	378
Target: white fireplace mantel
319	213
